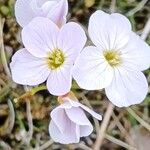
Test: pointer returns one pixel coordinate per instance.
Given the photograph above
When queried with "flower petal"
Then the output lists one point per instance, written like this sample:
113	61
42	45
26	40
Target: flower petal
136	54
77	104
118	37
23	12
68	136
86	130
91	71
27	69
127	88
71	40
42	2
40	36
77	115
48	5
90	111
59	116
36	8
59	81
59	12
106	30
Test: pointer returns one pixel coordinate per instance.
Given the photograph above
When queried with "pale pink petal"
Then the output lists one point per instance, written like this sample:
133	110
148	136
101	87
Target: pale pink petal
109	31
59	81
90	111
97	23
59	116
91	71
86	130
27	69
77	115
42	2
78	132
23	12
127	88
40	36
26	10
48	6
59	12
71	40
35	8
77	104
136	55
70	135
119	28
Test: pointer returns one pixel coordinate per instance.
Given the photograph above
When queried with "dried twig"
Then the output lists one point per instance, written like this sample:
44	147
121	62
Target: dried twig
4	145
118	142
83	146
113	6
140	120
4	91
9	123
80	145
123	130
146	30
113	123
86	101
2	51
104	125
30	122
137	8
11	117
29	118
45	145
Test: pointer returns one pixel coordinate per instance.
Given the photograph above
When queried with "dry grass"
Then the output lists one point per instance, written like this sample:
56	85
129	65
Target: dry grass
24	122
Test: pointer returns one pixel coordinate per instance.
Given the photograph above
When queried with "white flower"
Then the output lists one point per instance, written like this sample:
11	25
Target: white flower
115	62
69	122
49	54
26	10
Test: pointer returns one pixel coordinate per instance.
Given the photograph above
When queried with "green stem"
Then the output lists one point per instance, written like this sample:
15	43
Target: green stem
37	89
31	92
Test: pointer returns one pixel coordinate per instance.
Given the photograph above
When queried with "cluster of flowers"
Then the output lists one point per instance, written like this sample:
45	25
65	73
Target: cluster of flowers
55	52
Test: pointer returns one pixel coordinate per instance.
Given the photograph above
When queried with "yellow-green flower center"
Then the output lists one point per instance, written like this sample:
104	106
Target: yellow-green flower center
112	57
55	59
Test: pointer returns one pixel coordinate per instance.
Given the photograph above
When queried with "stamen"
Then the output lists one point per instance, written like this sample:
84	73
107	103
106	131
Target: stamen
55	59
112	57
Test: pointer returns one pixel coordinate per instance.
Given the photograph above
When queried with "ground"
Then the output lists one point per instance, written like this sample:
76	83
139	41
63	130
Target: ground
127	127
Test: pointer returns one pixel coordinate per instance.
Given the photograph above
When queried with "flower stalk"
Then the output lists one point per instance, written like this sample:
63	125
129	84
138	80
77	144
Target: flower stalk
29	94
